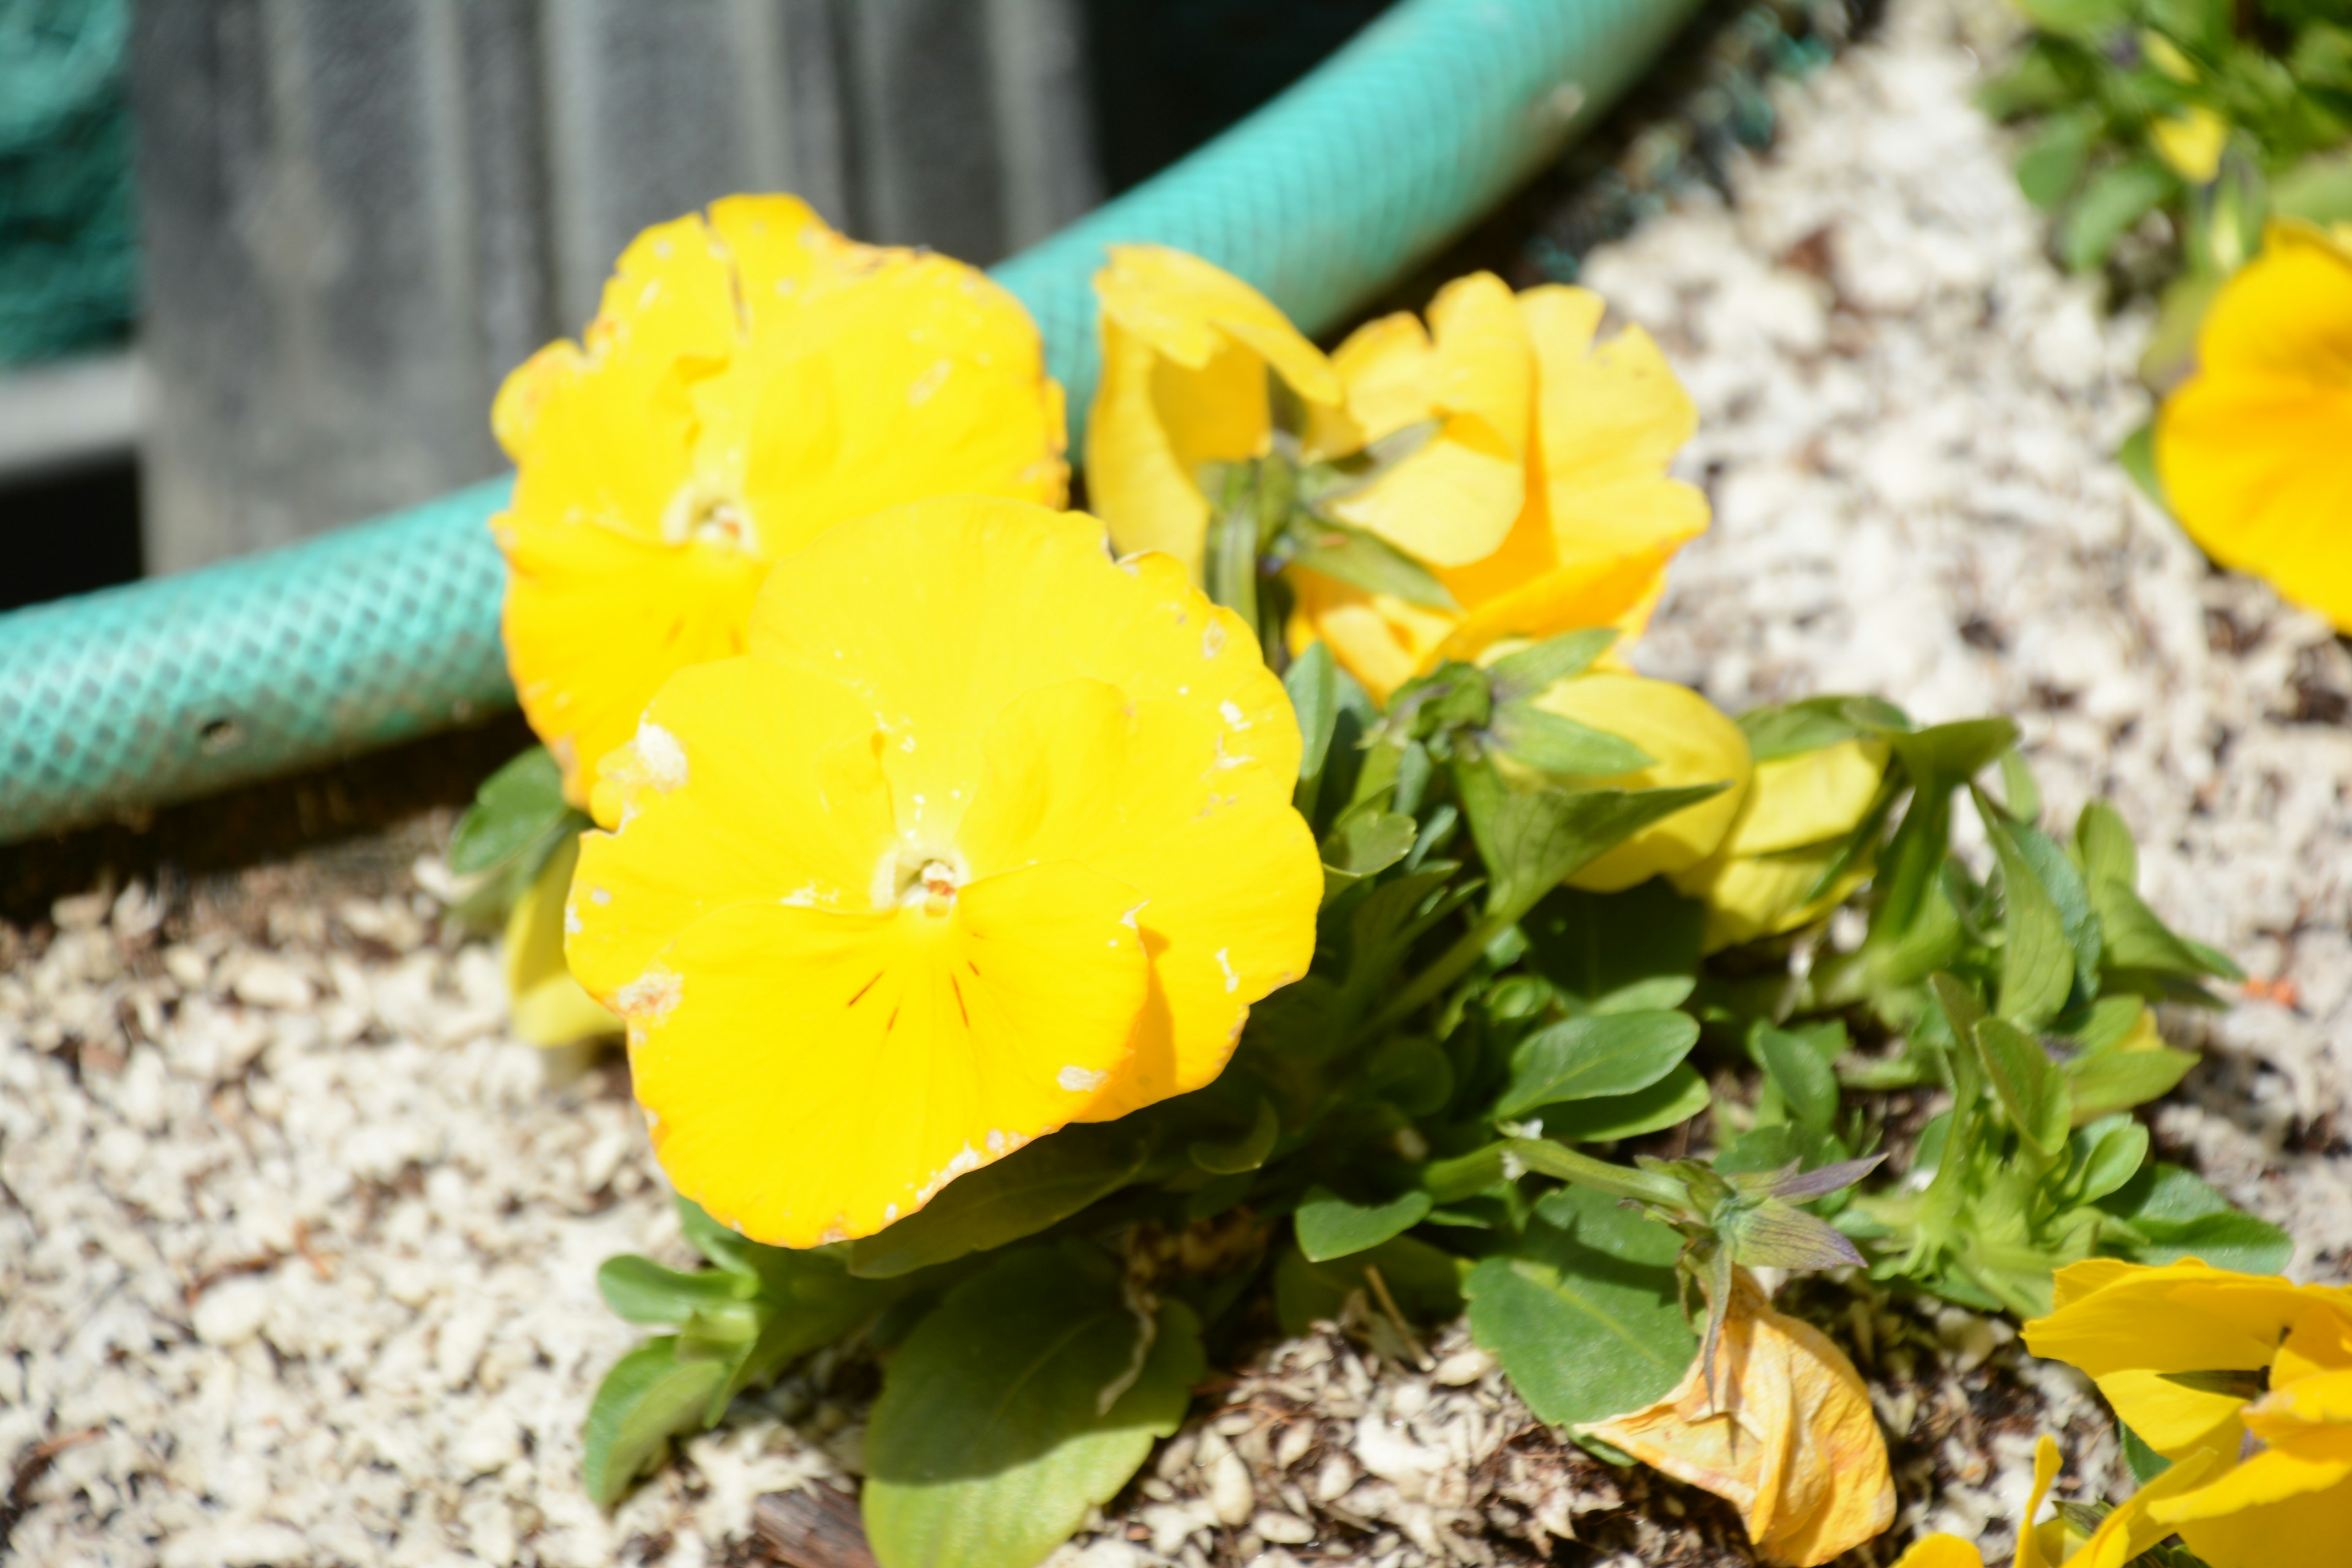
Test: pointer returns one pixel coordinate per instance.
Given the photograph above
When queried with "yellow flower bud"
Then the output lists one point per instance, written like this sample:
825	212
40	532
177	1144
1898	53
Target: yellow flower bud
1692	745
1790	828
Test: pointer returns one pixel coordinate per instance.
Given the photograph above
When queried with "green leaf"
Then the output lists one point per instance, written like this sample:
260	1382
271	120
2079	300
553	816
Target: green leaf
2171	1214
2029	1086
1030	1395
1246	1152
2138	939
2116	198
1523	674
1019	1195
1364	843
651	1395
1365	561
1804	1080
1413	1074
2051	165
1321	483
2112	1155
640	1290
1669	1102
517	807
2037	962
1313	682
1945	754
1425	1281
2146	1463
2081	18
2109	1081
1616	952
2059	877
1549	743
1584	1312
1532	839
1792	729
2104	846
1596	1056
1331	1227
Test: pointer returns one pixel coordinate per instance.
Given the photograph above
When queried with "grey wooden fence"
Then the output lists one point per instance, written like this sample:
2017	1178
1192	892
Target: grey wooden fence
359	213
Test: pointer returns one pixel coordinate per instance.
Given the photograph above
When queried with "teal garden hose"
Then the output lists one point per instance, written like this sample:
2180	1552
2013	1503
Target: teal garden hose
173	688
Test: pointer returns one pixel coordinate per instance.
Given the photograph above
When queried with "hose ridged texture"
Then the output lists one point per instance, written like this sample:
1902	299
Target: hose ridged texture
375	633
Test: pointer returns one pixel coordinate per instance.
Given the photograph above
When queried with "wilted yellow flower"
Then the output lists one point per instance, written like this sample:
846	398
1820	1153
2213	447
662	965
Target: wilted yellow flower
1185	352
2250	450
2251	1369
1787	1437
984	834
2123	1535
751	380
544	1004
1792	822
1692	745
1596	519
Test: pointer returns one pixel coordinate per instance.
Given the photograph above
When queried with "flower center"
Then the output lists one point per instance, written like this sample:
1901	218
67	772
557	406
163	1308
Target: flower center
699	514
916	879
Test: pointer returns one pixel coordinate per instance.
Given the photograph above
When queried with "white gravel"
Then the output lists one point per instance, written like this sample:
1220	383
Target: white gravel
297	1247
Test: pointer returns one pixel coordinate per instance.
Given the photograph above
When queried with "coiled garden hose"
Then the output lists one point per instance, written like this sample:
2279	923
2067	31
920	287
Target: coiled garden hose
176	686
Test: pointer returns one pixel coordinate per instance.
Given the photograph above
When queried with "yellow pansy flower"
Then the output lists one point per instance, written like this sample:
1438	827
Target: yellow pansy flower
1792	824
2250	450
2126	1532
1787	1437
1186	349
751	380
544	1003
1691	742
984	834
2249	1374
1597	518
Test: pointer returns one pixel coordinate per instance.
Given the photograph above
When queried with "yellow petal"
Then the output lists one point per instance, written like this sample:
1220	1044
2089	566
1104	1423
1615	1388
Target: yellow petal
2190	139
1158	795
1749	898
1809	797
2135	1524
1453	502
1788	1437
544	1004
2311	1526
1692	742
1155	422
1610	419
1189	310
749	381
750	783
1941	1552
2250	449
811	1076
1203	773
594	618
2320	1342
2046	1460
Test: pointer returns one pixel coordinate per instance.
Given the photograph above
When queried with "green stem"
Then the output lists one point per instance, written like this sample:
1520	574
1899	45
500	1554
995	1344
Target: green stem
1550	1159
1451	965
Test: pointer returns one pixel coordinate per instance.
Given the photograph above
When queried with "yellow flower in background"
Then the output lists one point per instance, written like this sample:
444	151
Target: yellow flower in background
1791	826
1788	1436
751	380
985	834
2248	1374
2123	1535
1597	518
544	1003
1186	350
2190	139
1539	500
2251	449
1692	743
